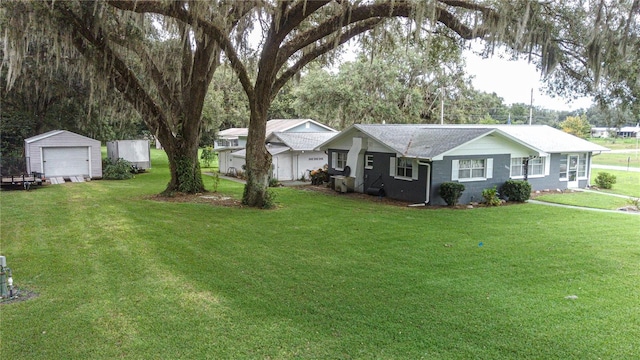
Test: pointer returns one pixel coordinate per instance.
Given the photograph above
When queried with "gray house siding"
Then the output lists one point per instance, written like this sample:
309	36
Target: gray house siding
552	181
414	191
441	173
399	189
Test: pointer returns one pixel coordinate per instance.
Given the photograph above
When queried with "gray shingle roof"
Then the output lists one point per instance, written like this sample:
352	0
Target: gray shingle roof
305	141
429	141
421	141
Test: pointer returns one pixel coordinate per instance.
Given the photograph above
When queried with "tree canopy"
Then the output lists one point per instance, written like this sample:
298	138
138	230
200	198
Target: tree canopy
161	56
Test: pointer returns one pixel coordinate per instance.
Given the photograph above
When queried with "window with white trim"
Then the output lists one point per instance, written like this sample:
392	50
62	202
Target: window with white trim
339	160
404	168
536	167
563	168
368	161
471	169
581	166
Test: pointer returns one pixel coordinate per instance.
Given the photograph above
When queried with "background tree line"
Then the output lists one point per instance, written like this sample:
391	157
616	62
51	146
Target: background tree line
398	88
162	57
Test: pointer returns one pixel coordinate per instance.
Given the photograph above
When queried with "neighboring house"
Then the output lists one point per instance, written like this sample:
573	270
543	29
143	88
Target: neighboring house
623	132
227	142
61	153
410	162
293	155
291	142
629	132
600	132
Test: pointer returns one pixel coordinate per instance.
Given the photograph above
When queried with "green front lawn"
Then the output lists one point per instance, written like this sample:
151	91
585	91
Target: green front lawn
119	275
631	160
616	144
584	199
627	182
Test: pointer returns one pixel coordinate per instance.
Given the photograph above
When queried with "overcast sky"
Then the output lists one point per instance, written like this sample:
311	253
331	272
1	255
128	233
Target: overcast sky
513	81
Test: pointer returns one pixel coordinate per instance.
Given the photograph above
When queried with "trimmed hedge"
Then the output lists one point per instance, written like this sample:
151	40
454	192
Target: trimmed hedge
516	190
604	180
451	192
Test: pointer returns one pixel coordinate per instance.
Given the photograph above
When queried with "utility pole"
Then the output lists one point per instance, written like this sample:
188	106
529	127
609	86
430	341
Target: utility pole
531	108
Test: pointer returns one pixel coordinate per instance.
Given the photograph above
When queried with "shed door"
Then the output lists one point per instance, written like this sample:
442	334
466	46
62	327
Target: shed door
66	161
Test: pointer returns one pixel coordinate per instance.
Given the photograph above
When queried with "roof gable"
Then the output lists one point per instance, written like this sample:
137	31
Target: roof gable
287	125
279	125
53	133
549	139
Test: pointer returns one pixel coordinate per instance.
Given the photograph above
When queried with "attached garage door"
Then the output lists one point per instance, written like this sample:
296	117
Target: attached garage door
66	161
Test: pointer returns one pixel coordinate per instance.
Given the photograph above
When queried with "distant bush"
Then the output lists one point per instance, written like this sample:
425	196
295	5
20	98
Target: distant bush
273	182
208	156
604	180
116	170
516	190
490	196
451	192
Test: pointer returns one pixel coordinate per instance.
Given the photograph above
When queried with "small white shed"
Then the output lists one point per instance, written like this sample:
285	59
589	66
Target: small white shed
61	153
136	152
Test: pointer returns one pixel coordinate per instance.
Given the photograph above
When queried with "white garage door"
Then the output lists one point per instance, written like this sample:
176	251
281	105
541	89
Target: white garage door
66	161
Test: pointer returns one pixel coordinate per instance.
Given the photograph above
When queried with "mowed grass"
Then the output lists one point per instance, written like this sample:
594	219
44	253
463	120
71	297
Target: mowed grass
616	144
122	276
586	199
630	160
627	182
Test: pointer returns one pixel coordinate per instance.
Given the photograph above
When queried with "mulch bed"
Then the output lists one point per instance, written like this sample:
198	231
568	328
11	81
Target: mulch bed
217	199
200	198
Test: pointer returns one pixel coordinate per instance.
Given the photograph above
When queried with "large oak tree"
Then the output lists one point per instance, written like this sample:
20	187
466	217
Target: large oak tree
161	55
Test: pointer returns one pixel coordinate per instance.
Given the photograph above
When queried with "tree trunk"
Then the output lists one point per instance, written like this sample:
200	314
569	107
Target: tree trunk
258	163
184	164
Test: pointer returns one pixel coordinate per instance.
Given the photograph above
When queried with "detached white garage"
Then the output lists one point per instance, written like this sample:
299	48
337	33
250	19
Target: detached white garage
61	153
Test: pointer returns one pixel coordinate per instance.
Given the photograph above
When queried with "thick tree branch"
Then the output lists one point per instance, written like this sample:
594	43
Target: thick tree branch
293	17
359	28
364	12
469	5
194	20
124	79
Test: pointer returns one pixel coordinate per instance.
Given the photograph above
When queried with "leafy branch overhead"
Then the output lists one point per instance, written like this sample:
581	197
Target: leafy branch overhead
161	56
